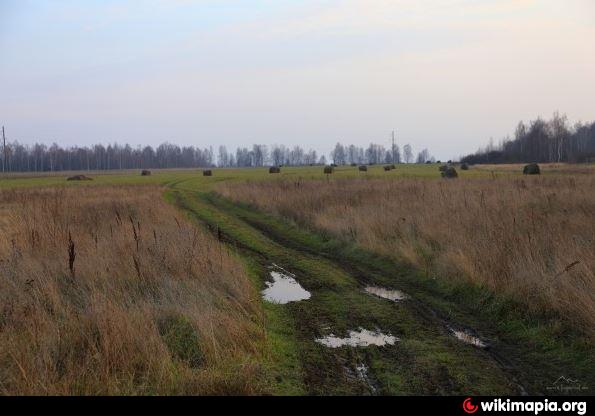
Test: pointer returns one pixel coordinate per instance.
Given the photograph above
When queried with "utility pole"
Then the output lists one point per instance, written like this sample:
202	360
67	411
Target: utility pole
3	150
393	148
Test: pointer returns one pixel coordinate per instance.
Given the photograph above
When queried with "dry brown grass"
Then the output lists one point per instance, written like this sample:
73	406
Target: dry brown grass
519	236
151	305
546	168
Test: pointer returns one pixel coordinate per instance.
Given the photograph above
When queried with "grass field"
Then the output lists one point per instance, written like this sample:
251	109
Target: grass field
194	178
111	291
325	230
530	239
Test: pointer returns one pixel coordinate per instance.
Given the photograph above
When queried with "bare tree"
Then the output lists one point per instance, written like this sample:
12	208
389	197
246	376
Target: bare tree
223	158
542	141
338	154
408	153
423	156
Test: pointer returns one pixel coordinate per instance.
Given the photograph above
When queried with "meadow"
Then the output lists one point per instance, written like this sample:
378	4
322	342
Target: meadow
527	238
131	284
109	290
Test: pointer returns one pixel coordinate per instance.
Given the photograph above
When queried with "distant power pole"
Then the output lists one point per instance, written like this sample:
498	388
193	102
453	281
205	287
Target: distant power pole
393	148
3	150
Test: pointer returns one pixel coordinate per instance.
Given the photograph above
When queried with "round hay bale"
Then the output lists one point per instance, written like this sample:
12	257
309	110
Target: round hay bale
274	169
464	166
328	170
532	169
363	168
450	173
79	178
207	172
145	173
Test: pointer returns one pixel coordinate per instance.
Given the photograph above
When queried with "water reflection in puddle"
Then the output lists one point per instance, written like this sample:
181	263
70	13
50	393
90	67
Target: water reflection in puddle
284	289
394	295
361	338
468	338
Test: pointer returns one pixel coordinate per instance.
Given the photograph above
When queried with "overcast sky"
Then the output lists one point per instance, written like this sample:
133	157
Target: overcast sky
446	74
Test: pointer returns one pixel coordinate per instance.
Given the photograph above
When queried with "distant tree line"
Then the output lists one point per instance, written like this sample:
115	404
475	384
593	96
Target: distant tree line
42	158
542	141
262	155
377	154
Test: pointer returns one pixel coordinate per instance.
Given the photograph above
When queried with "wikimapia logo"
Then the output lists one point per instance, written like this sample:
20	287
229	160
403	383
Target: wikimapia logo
500	405
469	407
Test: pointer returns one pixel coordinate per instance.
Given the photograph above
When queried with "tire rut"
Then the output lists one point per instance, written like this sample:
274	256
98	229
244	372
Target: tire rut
350	368
362	273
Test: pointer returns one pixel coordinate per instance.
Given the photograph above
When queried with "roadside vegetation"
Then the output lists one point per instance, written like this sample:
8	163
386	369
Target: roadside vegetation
528	239
110	290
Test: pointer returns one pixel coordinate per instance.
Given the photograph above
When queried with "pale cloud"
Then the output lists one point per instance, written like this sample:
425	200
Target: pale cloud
448	74
349	17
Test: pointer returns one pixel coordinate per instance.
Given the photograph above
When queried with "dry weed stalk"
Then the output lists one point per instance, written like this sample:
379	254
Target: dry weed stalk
167	322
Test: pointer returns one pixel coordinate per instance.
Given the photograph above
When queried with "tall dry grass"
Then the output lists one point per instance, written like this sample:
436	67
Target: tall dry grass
531	238
546	168
108	290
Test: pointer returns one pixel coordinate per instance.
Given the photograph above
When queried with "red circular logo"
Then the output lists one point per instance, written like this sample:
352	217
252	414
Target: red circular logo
469	407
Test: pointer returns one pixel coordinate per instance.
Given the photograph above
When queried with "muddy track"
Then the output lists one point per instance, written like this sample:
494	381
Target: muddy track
424	311
427	352
315	377
364	272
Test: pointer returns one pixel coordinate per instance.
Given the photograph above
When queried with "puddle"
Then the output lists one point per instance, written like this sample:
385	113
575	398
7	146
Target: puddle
394	295
284	289
362	374
468	338
361	338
